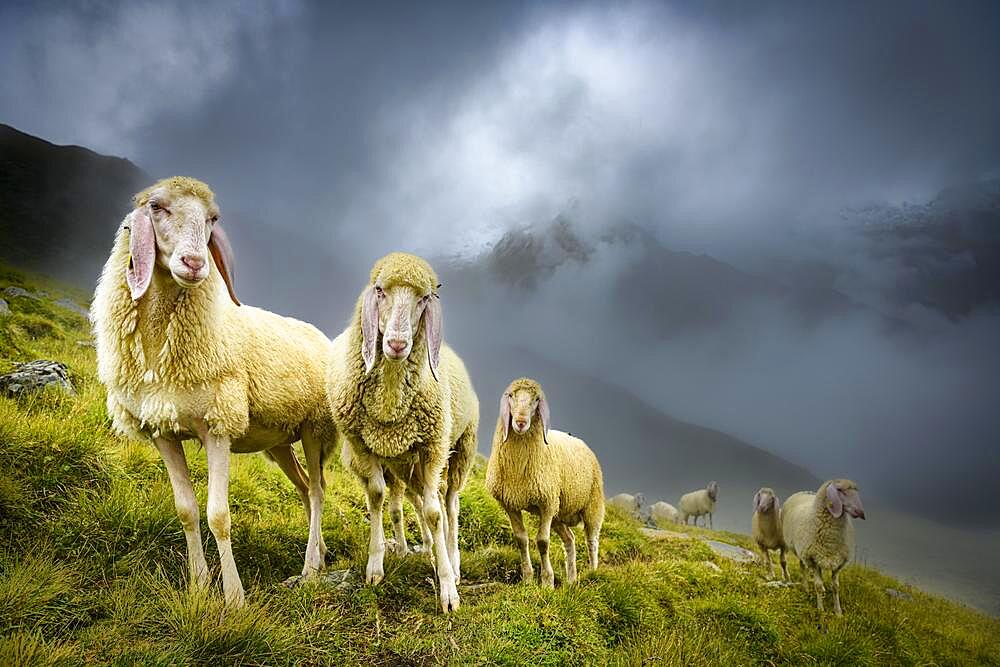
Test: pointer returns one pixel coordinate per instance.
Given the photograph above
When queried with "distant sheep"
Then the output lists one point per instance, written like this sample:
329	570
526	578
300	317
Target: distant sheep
699	503
548	473
180	358
766	529
662	512
817	529
629	503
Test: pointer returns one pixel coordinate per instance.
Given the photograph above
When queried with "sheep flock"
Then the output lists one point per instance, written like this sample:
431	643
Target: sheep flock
181	358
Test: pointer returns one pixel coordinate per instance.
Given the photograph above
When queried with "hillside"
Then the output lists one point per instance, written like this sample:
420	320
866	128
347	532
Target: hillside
92	562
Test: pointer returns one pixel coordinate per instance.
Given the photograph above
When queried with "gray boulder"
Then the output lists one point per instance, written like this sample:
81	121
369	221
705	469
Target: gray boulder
4	308
35	376
13	292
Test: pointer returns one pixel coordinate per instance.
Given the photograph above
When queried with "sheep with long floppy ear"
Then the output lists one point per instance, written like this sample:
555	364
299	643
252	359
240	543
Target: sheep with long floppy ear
765	528
699	503
817	528
546	472
408	412
177	356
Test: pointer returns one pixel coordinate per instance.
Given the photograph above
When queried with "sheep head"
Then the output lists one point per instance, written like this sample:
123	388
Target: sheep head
521	401
765	500
175	225
402	290
713	490
842	495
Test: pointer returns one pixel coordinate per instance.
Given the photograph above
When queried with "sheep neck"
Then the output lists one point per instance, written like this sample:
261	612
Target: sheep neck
387	391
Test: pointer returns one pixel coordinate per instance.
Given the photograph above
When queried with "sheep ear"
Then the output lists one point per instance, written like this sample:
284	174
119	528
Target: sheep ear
756	501
836	504
432	331
369	326
776	503
142	252
222	253
543	412
505	415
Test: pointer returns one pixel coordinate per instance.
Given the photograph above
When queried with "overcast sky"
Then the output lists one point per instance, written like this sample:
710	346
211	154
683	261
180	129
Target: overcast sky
333	135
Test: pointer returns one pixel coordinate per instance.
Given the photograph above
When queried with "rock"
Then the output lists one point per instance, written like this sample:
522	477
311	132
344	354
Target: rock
778	583
85	343
660	534
14	292
711	566
34	376
732	552
72	305
339	579
4	308
899	595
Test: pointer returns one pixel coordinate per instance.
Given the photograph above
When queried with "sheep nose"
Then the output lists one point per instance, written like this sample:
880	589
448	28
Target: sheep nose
397	346
193	262
520	422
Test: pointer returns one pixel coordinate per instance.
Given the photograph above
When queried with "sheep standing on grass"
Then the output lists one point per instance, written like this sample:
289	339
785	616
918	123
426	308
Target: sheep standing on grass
765	528
629	503
180	358
663	512
548	473
817	528
699	503
408	415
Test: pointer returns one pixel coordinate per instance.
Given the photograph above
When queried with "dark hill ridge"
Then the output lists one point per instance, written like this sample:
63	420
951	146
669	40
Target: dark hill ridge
60	205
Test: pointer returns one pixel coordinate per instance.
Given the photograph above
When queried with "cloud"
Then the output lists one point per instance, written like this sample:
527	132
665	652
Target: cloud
96	73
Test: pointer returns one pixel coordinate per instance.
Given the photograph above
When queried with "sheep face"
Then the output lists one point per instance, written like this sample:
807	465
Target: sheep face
174	226
765	501
842	496
713	490
522	400
640	500
402	294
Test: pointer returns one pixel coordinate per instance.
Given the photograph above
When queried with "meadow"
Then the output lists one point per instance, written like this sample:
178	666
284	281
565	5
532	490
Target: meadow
93	571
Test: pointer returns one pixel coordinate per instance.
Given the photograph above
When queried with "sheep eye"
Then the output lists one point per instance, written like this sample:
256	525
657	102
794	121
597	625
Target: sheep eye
214	219
379	291
155	206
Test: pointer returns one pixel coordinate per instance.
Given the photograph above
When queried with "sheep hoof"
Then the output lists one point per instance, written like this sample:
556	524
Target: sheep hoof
236	599
449	598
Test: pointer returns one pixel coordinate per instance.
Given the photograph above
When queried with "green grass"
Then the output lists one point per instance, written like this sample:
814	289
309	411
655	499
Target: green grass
92	567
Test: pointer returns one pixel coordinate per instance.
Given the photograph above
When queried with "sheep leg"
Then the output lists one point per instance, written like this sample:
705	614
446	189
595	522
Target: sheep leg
451	510
396	490
172	453
289	464
835	587
593	532
315	548
548	578
375	496
784	566
425	533
767	559
521	537
817	575
565	533
710	521
434	518
217	451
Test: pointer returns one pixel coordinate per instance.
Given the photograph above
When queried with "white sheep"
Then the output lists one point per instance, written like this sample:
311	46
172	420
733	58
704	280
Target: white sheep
662	512
181	359
408	415
629	503
548	473
765	528
816	528
699	503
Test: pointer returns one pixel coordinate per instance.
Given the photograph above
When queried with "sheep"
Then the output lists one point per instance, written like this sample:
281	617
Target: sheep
409	415
817	529
699	503
661	511
765	528
629	503
548	473
180	359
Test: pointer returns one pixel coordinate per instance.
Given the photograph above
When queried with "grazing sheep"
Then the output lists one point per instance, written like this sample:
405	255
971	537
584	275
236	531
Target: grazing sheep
664	512
408	415
766	529
699	503
548	473
629	503
180	359
817	529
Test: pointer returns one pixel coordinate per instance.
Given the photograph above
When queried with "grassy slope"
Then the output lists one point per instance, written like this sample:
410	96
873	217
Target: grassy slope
92	568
